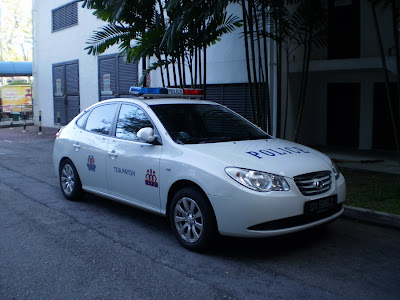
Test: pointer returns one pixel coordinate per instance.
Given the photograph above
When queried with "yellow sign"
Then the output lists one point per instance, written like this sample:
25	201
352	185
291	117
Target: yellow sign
16	95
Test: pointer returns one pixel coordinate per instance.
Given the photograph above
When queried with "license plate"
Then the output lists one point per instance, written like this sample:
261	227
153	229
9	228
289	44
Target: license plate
320	205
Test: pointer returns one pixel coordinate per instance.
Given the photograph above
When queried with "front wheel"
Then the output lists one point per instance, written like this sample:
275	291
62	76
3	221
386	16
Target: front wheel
69	181
192	219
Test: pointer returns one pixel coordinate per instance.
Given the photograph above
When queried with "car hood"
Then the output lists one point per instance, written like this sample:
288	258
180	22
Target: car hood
275	156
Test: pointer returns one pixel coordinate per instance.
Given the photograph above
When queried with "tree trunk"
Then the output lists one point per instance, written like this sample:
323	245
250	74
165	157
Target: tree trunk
254	68
205	71
167	70
158	55
287	93
261	74
306	65
200	69
246	44
183	70
266	83
143	70
279	76
174	72
195	68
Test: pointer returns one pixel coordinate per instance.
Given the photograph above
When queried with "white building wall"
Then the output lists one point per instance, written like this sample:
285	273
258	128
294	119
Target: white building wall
61	46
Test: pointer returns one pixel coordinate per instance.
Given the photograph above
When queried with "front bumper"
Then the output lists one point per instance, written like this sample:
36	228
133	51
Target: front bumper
246	213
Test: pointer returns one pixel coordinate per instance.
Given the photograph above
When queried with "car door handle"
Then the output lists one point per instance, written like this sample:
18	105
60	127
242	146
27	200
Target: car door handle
76	146
113	154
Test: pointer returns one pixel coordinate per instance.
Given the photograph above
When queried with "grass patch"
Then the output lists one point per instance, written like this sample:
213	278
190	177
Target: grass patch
373	190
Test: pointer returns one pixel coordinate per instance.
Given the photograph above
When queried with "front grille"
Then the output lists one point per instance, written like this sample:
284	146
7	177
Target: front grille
316	183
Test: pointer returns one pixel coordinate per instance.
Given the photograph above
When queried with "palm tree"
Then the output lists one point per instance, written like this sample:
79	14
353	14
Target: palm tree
176	32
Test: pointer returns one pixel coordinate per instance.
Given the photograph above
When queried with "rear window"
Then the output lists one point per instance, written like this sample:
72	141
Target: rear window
101	118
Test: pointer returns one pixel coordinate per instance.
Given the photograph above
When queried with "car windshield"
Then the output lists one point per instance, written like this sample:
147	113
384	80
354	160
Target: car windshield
205	123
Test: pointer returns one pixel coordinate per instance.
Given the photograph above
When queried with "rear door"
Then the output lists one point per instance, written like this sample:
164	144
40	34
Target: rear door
90	145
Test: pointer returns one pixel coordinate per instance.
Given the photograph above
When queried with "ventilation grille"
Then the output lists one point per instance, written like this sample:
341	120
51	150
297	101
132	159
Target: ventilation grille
65	16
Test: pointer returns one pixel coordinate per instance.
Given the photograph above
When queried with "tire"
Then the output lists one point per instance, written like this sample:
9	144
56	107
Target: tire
70	183
192	219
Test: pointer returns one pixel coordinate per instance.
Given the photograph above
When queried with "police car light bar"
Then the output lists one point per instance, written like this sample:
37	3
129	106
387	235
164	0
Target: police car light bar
166	92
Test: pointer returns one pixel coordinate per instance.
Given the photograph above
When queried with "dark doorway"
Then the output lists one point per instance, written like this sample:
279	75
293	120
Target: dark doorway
66	91
344	29
343	114
383	135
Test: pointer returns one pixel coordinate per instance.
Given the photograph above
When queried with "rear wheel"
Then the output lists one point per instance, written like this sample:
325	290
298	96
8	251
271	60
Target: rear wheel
192	219
70	183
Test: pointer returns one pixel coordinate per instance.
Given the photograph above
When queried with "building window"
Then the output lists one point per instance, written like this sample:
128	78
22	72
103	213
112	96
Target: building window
65	16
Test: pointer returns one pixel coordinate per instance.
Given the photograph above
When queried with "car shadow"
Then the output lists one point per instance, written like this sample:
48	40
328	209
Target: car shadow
272	246
224	246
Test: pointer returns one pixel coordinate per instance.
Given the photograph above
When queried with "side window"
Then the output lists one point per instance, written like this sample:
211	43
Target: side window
101	118
130	120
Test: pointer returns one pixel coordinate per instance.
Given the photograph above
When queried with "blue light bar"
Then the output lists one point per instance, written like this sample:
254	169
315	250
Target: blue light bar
165	92
138	91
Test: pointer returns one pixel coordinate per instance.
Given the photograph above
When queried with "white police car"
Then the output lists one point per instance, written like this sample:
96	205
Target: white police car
205	167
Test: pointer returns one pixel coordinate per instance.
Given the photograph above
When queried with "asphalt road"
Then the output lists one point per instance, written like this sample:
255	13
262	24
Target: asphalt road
51	248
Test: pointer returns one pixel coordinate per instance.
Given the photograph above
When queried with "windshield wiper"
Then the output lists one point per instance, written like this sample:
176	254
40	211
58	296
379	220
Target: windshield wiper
216	140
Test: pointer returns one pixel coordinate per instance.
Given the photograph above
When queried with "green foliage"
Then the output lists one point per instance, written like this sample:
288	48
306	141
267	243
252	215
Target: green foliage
19	82
372	190
107	36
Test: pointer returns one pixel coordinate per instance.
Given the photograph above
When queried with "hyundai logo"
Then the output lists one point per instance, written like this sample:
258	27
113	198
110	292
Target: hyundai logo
319	184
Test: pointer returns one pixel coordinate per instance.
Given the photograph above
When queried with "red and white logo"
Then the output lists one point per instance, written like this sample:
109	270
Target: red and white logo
151	178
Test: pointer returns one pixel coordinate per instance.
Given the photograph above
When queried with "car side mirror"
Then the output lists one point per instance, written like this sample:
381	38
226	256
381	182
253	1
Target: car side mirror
146	134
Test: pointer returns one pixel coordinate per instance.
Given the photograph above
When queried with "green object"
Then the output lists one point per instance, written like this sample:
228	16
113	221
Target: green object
15	116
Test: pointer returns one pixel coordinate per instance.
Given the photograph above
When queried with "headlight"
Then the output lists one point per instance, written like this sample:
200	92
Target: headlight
258	181
335	171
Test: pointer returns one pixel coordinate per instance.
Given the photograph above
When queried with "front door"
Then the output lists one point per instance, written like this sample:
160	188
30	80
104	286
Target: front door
133	167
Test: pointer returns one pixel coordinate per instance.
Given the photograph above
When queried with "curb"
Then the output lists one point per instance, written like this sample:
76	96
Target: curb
372	217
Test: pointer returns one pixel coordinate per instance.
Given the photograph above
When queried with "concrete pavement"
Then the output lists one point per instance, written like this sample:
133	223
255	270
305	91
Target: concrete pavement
369	160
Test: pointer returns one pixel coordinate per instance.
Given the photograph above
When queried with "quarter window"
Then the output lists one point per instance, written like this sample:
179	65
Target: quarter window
130	120
101	118
81	121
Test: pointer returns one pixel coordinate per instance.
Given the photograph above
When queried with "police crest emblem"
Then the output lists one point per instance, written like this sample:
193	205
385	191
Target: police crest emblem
91	165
